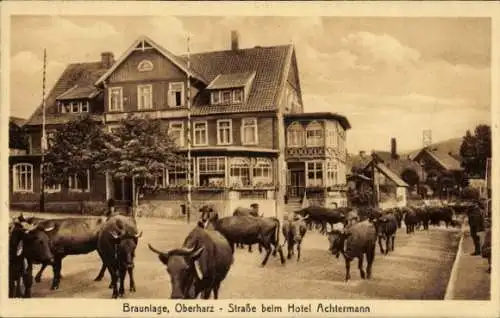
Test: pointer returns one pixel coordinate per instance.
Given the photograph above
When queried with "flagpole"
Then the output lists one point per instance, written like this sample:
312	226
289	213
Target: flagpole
188	96
44	140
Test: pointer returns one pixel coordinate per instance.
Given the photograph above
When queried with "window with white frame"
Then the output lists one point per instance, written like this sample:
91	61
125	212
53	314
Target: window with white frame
332	172
314	174
226	97
75	106
85	107
176	131
145	66
239	172
115	99
295	135
249	134
215	97
212	171
176	94
79	182
331	136
238	95
177	175
200	133
51	188
224	132
263	171
22	176
145	96
314	135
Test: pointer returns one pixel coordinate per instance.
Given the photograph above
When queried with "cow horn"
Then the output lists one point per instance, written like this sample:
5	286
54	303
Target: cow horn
197	267
27	227
114	234
19	249
305	217
155	250
138	235
48	229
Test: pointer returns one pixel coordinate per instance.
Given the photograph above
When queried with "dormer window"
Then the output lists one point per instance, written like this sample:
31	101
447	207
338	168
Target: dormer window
238	96
145	66
226	97
74	107
215	96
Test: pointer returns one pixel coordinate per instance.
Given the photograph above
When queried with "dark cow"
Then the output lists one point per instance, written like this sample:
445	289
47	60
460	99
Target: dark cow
358	240
440	213
422	217
294	229
199	266
57	238
386	226
116	244
399	213
323	216
411	220
245	230
252	211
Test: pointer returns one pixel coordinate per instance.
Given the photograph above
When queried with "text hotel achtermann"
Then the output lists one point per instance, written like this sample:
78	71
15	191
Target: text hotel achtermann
297	308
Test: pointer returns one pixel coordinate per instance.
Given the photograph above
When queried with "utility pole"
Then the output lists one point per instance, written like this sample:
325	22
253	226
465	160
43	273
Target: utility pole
44	138
188	97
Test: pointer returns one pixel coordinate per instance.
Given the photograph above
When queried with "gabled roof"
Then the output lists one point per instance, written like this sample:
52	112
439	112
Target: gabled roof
391	175
18	121
78	74
234	80
179	62
445	160
270	65
78	92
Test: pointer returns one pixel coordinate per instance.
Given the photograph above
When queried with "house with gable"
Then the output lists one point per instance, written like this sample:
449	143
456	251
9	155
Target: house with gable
252	142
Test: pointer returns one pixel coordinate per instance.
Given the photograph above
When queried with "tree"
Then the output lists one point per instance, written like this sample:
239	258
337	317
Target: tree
475	150
410	176
140	149
73	149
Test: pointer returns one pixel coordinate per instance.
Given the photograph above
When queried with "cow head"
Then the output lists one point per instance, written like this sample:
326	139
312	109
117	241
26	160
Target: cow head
126	252
298	228
255	207
37	242
336	238
208	215
380	224
184	269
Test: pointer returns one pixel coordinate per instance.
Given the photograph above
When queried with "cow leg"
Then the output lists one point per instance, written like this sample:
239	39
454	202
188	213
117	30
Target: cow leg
131	277
347	270
267	246
250	248
57	273
216	290
380	245
370	256
28	280
360	266
298	252
122	272
289	249
38	277
100	276
392	243
114	282
387	244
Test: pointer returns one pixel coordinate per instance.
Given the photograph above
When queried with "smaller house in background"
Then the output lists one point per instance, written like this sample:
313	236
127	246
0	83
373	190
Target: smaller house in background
392	190
18	144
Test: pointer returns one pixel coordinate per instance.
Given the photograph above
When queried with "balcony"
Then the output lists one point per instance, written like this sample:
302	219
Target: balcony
305	152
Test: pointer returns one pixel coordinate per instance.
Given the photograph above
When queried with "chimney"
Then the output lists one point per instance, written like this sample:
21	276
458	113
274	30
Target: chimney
107	59
394	152
234	40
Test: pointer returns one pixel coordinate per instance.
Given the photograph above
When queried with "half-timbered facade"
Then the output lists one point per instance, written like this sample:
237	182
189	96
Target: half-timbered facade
244	107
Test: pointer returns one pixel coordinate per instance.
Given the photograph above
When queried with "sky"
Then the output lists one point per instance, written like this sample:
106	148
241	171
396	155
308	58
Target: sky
391	77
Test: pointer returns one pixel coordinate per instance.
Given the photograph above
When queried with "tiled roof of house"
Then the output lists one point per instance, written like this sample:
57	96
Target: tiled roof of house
445	160
77	92
268	63
391	175
233	80
80	74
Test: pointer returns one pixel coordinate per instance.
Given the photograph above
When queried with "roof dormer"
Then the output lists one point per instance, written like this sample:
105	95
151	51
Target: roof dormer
227	89
77	99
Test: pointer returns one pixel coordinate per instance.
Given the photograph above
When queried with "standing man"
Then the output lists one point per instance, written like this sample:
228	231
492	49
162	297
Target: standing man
476	225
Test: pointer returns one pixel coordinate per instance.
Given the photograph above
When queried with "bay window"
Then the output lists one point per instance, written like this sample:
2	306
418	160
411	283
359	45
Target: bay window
332	172
239	174
263	171
212	171
295	135
314	174
22	176
314	135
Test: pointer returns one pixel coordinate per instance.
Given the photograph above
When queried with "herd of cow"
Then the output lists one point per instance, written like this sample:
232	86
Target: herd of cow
207	254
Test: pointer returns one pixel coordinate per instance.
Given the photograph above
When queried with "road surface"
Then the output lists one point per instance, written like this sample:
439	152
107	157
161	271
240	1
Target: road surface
419	268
